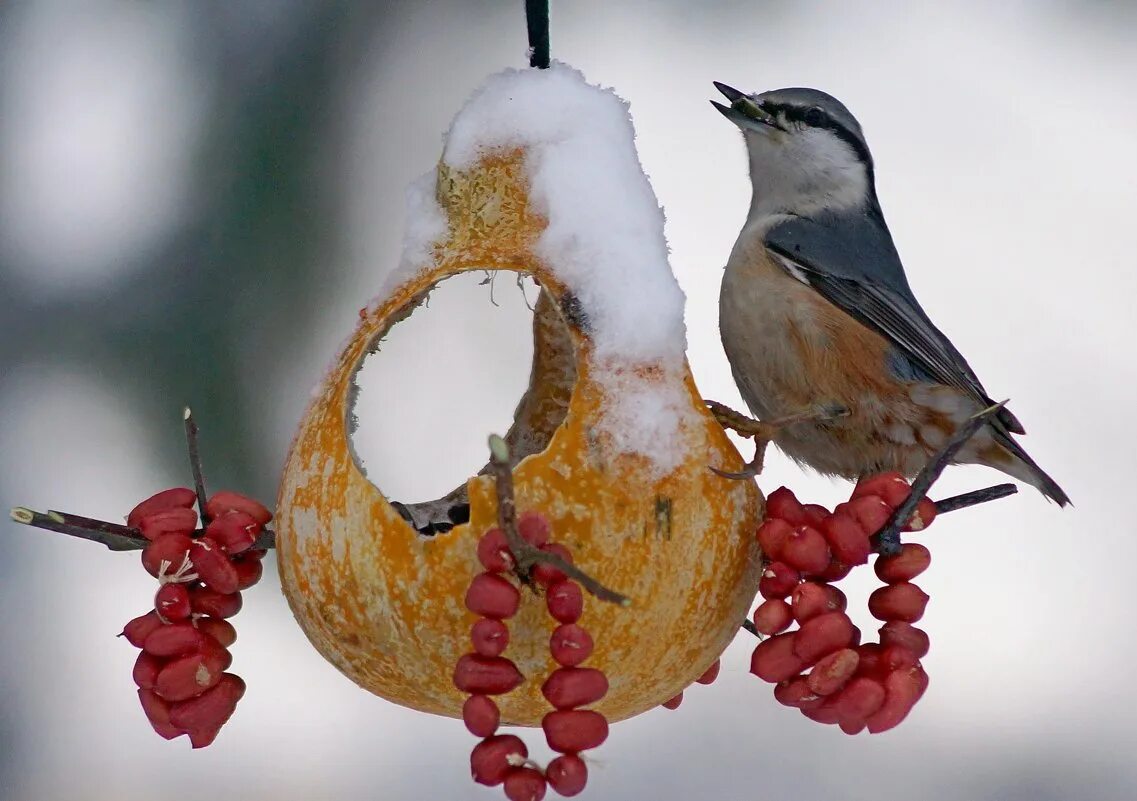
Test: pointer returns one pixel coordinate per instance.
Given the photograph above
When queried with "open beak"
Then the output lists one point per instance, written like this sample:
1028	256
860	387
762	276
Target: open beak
743	111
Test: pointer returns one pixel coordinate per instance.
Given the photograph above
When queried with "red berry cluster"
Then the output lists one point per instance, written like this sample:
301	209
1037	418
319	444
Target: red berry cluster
183	686
857	686
569	729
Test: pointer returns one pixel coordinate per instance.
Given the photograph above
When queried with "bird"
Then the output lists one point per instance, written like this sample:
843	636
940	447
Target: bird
816	313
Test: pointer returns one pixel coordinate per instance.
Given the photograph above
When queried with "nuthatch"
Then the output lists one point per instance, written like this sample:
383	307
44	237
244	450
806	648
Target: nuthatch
816	312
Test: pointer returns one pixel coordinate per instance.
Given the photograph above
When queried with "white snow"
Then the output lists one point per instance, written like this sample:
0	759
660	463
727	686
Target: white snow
604	240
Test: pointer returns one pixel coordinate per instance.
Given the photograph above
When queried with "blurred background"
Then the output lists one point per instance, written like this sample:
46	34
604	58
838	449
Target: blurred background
195	199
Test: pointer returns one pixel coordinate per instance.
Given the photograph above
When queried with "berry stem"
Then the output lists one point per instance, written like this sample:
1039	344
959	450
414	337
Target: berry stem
525	554
195	464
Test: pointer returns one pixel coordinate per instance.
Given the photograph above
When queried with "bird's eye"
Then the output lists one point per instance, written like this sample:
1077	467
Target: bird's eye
814	116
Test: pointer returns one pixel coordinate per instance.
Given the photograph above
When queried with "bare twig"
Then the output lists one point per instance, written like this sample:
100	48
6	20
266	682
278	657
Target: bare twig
975	497
887	540
195	464
114	536
524	554
103	532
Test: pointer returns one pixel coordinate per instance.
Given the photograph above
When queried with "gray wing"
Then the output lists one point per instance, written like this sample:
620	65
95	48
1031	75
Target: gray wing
851	261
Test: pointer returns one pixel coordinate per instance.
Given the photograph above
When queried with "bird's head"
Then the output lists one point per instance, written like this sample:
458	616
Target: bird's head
807	152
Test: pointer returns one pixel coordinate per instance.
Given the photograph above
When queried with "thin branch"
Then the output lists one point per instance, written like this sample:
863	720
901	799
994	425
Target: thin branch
887	540
195	464
114	536
101	531
524	554
975	497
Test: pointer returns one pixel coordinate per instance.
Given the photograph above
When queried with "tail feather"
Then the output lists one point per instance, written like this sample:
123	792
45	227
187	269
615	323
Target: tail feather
1026	469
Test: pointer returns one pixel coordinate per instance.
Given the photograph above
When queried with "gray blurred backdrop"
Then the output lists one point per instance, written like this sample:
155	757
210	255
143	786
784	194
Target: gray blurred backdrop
195	199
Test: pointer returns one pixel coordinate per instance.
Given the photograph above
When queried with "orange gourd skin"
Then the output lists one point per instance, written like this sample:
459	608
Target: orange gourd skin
385	604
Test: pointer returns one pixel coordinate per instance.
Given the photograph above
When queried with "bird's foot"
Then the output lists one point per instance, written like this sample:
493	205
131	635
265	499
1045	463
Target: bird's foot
763	432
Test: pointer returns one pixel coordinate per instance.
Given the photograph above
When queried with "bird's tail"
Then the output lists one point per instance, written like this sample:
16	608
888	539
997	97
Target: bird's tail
1022	467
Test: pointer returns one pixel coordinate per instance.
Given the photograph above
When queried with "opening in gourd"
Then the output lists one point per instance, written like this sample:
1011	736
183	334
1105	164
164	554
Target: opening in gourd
434	385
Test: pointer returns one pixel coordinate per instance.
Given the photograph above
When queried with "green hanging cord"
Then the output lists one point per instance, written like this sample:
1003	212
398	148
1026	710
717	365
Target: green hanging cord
537	20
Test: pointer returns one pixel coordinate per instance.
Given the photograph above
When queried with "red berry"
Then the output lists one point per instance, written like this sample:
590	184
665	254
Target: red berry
235	531
870	512
782	504
138	629
912	560
545	573
221	631
847	540
810	599
570	644
923	516
892	488
897	657
836	570
146	668
869	664
567	775
190	676
207	712
175	639
178	520
489	636
489	761
832	671
778	580
796	692
902	689
773	616
897	632
166	499
486	675
172	602
227	501
903	601
158	713
492	596
823	635
166	554
710	674
861	698
533	528
493	551
565	601
772	536
825	712
206	601
570	687
673	702
249	571
524	784
815	514
481	715
774	659
806	550
574	730
213	567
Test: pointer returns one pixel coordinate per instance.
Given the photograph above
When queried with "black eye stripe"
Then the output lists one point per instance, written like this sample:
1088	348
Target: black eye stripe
799	114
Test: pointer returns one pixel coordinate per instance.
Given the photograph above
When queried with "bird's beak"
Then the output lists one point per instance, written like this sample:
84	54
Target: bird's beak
743	111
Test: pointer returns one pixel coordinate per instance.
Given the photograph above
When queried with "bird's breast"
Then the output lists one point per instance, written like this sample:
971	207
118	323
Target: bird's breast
793	351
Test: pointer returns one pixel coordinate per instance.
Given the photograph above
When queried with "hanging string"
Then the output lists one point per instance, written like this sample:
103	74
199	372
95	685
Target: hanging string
537	20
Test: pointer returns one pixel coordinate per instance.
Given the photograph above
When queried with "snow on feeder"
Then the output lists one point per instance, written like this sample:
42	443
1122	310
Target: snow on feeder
611	441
